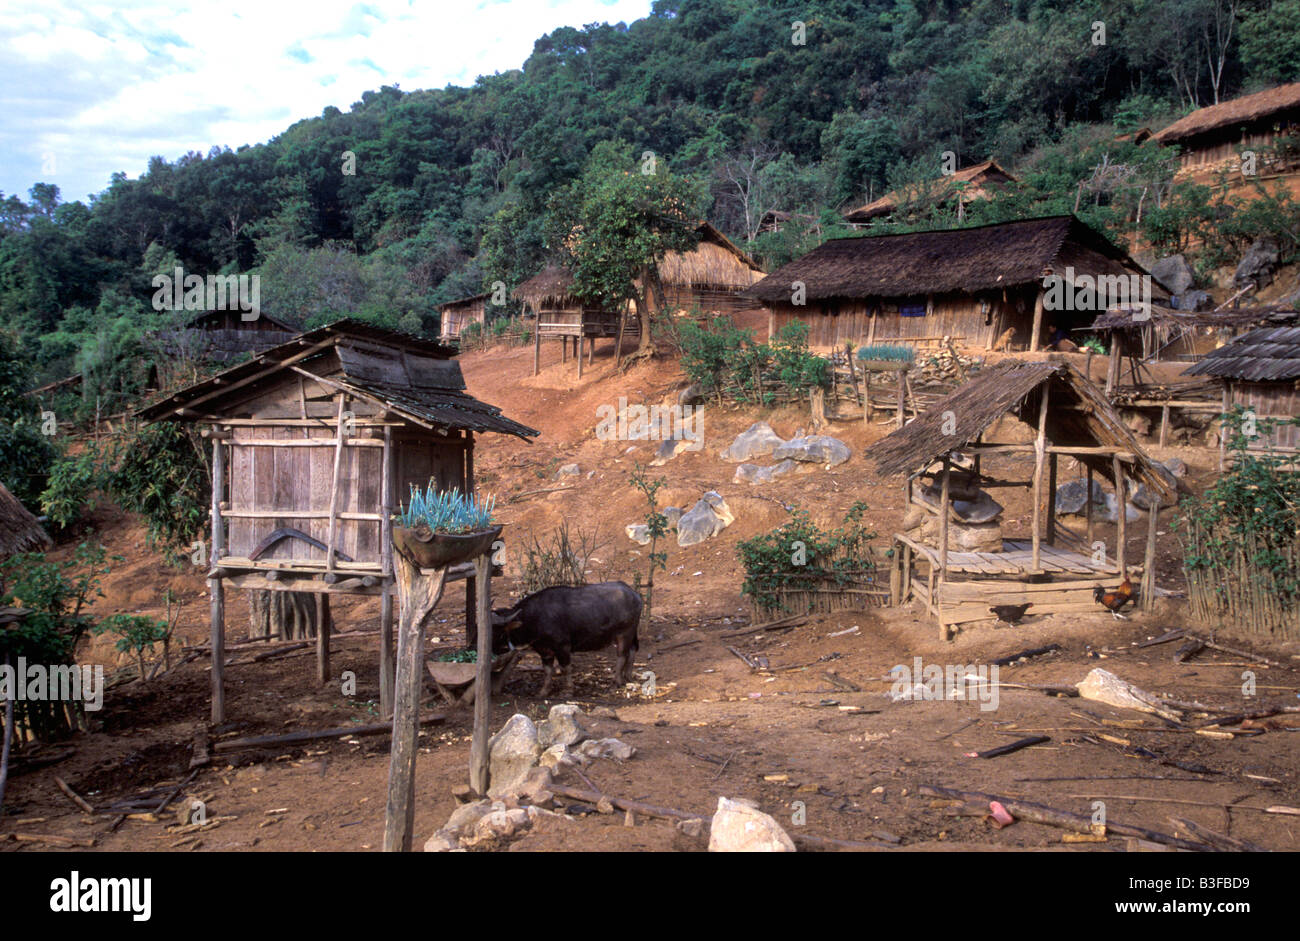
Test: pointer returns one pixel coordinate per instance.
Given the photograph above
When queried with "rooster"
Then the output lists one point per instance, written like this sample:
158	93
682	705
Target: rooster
1011	613
1113	601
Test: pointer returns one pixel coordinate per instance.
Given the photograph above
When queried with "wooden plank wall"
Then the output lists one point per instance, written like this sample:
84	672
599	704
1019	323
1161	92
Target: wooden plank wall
956	316
1272	400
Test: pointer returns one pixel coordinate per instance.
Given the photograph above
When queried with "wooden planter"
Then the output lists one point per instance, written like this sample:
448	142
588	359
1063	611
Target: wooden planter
884	365
430	550
455	681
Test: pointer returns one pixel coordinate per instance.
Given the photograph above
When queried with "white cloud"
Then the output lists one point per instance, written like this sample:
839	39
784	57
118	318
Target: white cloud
92	89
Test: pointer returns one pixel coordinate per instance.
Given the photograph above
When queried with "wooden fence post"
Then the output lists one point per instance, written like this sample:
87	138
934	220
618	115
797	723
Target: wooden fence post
478	751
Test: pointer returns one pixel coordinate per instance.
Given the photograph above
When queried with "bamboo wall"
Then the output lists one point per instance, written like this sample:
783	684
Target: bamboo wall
709	300
962	317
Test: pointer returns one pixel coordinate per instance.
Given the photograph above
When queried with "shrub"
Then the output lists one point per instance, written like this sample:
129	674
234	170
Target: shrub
558	559
161	472
72	483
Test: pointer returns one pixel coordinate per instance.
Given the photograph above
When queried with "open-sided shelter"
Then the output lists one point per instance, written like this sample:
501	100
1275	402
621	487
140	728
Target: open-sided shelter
984	287
1070	416
314	444
1260	371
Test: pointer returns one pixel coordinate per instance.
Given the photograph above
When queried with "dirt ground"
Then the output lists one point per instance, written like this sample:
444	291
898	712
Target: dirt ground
792	737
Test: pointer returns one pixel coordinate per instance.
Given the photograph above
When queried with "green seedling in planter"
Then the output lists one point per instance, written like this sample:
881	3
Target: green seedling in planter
447	511
885	353
458	656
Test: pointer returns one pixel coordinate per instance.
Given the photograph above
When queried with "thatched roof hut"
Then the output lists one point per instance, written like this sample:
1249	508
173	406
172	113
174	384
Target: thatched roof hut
709	276
965	186
548	289
975	285
1213	134
19	530
455	316
1260	371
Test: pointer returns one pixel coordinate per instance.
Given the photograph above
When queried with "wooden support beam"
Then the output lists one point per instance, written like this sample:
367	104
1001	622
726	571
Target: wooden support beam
1040	450
579	343
1121	526
945	510
386	664
1051	499
1088	508
1147	599
332	543
537	345
216	588
1038	322
1164	425
478	750
324	624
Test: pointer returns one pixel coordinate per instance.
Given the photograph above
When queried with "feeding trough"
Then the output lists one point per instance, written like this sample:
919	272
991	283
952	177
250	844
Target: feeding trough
433	550
456	681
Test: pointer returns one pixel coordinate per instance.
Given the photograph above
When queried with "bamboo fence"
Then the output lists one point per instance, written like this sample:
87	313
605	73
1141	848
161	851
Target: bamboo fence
1239	592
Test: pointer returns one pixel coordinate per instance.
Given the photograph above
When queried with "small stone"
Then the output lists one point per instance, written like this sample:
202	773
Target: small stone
606	748
603	806
738	827
441	842
692	828
561	726
512	752
568	470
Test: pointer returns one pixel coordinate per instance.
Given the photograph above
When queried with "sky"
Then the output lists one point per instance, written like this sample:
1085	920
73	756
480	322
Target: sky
89	89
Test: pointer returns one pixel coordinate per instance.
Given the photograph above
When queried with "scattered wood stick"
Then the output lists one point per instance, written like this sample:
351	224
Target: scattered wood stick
783	625
1235	651
743	658
73	795
1138	798
1221	841
272	654
1013	746
966	725
838	681
1024	655
680	643
1163	638
171	795
1051	816
292	738
51	838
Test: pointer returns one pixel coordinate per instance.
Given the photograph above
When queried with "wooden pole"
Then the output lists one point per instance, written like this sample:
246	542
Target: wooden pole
1051	499
478	750
1088	511
537	343
331	547
945	507
1121	515
1149	560
1223	423
1038	322
216	588
471	583
1164	425
1040	449
579	342
417	594
323	626
1112	367
386	665
902	386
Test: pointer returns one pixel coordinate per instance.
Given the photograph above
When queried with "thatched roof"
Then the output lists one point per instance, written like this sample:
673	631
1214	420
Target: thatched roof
1134	319
233	319
715	262
19	530
1271	354
989	257
1244	110
415	379
549	286
972	180
1078	415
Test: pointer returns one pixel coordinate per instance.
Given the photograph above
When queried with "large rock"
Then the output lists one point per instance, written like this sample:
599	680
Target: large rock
707	518
740	827
758	440
1110	511
669	449
814	449
672	514
1176	467
512	753
1257	265
1174	273
563	726
1072	497
754	474
1193	300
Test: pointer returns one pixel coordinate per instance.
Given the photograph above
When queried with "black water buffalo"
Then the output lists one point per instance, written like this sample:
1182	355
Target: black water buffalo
559	620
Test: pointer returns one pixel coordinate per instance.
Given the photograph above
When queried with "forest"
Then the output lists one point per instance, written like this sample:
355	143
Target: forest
412	198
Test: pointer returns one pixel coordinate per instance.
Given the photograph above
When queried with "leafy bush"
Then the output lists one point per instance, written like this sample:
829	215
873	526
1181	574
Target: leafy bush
726	361
447	511
135	635
800	556
161	472
73	481
558	559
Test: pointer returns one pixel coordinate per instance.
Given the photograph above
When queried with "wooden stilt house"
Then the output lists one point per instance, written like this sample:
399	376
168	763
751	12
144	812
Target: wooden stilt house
1050	566
315	442
563	316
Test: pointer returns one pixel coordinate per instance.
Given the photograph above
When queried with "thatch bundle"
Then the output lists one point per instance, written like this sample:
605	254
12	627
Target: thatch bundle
19	530
548	289
715	262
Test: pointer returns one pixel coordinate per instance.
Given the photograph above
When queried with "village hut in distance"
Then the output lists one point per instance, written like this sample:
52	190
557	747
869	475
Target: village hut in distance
987	287
958	189
456	315
20	531
315	443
